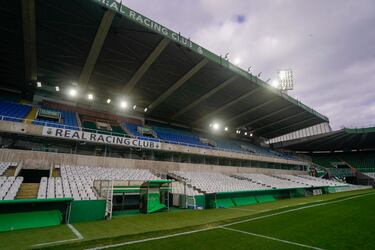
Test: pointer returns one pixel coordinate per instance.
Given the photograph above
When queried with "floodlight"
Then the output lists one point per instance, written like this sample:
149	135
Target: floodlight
134	107
226	129
145	110
123	104
39	84
108	101
215	126
90	96
275	84
245	133
72	92
57	88
237	61
251	134
285	78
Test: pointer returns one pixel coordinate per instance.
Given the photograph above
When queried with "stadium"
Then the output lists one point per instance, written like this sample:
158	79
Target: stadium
119	133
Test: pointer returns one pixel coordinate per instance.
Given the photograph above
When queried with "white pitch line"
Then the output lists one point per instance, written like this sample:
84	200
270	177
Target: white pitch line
225	225
296	209
271	238
74	231
245	209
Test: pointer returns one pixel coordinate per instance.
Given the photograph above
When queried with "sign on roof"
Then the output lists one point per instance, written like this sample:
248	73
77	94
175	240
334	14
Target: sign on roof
98	138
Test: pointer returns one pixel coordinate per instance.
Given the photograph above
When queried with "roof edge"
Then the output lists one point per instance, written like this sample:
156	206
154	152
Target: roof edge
186	42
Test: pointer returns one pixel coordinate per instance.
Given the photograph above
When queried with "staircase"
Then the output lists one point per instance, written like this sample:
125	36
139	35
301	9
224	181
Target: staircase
10	171
56	172
28	191
31	115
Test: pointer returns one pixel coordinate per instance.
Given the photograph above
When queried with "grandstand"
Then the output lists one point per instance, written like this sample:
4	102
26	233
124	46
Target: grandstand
105	115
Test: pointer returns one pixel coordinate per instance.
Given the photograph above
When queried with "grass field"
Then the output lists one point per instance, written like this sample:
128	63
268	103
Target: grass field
334	221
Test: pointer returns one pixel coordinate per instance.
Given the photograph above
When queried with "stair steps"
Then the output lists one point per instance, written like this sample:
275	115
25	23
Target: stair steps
28	191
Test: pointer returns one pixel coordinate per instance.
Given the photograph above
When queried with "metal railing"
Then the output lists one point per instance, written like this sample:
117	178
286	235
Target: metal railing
98	131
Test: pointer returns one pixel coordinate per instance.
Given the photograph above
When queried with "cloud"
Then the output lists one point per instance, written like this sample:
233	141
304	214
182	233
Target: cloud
328	44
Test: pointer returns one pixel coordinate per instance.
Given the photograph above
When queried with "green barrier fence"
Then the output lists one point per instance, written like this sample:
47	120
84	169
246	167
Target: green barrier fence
87	210
16	221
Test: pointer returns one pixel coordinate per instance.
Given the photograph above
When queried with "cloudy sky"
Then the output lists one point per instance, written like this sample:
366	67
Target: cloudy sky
329	44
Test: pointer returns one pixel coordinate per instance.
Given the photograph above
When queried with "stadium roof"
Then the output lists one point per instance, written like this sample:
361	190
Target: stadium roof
113	52
342	140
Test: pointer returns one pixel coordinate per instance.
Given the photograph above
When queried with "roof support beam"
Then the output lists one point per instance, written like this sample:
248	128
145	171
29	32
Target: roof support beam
292	125
205	96
178	84
252	109
145	66
234	101
29	39
278	121
96	47
266	116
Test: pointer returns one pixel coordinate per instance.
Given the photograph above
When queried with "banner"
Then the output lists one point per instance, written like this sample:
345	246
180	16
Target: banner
99	138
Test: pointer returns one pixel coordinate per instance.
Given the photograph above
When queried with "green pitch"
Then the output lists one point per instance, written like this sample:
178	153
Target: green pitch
334	221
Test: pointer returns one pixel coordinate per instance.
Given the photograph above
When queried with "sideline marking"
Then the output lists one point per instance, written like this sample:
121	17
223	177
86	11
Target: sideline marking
229	224
271	238
74	231
245	209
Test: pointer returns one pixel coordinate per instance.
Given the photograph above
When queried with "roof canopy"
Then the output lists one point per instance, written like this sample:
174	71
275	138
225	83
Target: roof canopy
114	52
345	139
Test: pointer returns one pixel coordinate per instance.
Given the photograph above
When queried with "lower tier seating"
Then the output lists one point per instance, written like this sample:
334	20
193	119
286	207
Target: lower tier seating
9	187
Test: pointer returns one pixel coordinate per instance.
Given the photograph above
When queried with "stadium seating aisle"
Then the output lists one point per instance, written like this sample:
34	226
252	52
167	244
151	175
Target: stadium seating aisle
14	112
179	188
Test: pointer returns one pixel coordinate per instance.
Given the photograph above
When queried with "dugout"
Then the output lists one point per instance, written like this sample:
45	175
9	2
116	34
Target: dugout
34	213
154	196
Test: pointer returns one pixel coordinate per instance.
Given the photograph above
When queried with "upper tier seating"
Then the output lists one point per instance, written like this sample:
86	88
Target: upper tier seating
68	120
14	112
216	182
90	126
9	187
363	161
133	129
177	136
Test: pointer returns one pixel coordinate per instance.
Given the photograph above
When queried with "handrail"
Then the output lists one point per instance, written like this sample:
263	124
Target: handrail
98	131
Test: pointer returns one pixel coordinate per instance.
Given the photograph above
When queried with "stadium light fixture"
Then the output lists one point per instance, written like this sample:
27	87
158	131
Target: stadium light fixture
226	129
251	134
145	110
237	61
245	133
134	107
72	92
57	88
39	84
275	83
90	97
109	101
216	126
123	104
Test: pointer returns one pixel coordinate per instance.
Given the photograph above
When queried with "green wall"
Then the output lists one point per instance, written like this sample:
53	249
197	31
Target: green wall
87	210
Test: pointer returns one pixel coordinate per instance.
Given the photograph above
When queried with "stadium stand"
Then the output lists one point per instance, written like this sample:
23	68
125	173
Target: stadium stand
9	187
270	181
309	181
180	188
14	112
178	136
216	182
68	120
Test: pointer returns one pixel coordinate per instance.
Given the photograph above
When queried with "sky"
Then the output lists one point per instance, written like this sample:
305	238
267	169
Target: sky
329	45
